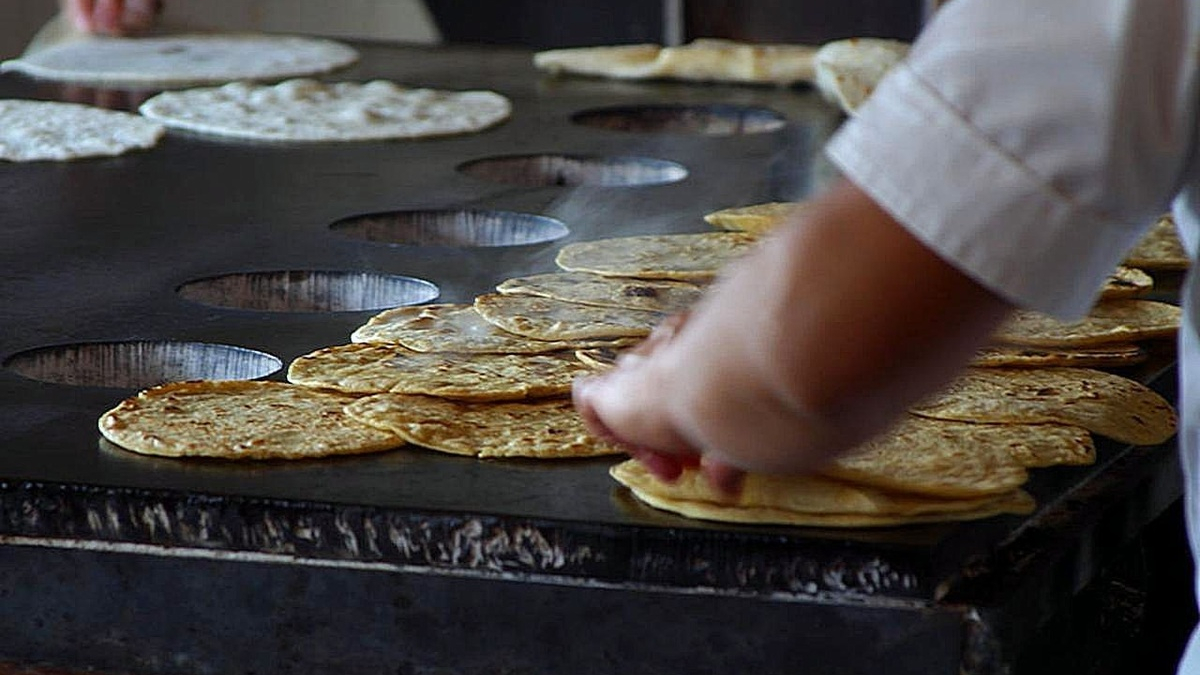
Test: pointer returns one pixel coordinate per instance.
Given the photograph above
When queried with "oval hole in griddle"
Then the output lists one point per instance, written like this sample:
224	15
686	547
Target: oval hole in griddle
575	170
140	364
704	120
309	291
452	228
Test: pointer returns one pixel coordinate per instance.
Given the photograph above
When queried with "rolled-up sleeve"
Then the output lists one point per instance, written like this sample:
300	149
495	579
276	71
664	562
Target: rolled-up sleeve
1029	143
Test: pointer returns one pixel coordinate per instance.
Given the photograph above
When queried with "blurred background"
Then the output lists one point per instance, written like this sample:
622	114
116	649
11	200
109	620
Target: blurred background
538	24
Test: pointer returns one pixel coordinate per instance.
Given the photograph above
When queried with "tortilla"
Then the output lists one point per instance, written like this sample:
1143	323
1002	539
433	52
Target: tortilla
702	60
1160	248
687	257
1114	355
1110	321
183	60
308	110
847	71
1103	403
947	459
592	289
549	319
545	428
1126	282
598	359
45	130
807	500
376	368
458	328
240	420
755	219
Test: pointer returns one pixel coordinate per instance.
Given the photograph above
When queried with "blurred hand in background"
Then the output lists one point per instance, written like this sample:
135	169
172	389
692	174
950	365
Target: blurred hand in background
112	17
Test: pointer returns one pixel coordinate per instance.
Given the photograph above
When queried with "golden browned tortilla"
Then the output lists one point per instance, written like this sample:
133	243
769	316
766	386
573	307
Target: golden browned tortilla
544	428
240	420
365	368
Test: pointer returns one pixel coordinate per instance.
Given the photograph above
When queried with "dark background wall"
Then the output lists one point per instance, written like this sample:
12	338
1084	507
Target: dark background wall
546	24
811	21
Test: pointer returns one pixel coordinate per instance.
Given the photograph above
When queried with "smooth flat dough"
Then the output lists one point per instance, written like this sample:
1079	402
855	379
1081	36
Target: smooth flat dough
183	60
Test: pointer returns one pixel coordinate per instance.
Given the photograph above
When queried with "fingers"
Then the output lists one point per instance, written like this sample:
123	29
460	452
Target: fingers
662	334
631	397
108	17
724	478
80	13
113	17
141	14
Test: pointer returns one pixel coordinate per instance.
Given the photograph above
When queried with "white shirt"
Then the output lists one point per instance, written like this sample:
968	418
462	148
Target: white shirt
1031	143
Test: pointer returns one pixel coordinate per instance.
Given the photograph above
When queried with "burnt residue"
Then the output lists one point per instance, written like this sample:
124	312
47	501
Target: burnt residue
814	569
455	543
317	531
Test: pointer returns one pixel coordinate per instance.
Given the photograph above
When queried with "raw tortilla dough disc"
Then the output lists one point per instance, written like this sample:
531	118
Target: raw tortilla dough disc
307	110
47	130
182	60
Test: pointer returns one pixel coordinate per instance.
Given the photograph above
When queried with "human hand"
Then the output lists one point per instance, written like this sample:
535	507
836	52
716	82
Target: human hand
113	99
666	454
112	17
817	340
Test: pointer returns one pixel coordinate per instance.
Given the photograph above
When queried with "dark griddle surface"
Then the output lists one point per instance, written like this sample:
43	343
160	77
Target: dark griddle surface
93	250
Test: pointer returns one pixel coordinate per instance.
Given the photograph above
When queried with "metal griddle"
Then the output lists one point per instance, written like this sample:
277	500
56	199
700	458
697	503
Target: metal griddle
416	562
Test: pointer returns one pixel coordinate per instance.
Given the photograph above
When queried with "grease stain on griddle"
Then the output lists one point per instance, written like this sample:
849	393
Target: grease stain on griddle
575	170
140	364
702	120
457	228
309	291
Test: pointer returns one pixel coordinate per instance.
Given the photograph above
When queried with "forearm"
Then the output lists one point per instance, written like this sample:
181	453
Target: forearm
868	320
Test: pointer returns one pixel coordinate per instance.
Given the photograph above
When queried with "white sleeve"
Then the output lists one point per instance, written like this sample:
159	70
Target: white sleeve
1030	142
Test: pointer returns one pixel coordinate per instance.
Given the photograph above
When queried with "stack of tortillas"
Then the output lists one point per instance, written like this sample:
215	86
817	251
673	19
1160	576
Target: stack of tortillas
963	455
491	379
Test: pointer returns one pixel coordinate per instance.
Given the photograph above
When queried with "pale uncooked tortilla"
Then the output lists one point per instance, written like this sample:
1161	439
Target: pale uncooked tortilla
48	130
184	60
307	110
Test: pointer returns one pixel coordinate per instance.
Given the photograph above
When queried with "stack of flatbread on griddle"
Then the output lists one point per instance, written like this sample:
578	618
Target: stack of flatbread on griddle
1031	400
492	379
962	454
